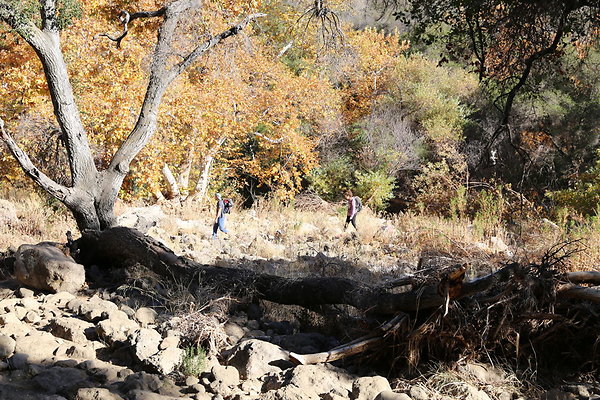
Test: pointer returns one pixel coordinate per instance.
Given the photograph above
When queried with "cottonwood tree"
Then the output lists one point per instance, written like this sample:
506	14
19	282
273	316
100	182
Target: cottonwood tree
92	193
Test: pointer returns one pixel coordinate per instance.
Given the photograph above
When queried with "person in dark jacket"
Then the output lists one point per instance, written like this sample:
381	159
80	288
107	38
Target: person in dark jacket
219	217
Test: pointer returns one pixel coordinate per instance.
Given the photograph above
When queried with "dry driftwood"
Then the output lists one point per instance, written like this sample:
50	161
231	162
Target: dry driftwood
517	307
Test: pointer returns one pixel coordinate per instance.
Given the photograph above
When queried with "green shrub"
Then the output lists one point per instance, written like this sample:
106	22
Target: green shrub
375	188
330	180
194	361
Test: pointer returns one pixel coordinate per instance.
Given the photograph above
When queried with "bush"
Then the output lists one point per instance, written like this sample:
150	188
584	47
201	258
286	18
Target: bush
375	188
194	361
332	178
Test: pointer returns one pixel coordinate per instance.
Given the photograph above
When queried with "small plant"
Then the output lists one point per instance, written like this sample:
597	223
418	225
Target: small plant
194	361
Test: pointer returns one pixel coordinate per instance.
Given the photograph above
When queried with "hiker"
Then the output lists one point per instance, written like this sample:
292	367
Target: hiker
354	206
220	217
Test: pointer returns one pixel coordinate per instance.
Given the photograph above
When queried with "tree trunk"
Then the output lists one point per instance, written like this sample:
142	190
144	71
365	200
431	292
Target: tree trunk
125	247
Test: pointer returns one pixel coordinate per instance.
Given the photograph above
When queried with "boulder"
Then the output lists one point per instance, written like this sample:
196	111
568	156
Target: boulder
144	343
44	266
96	394
321	378
7	346
291	393
225	378
141	218
165	361
145	316
59	379
369	387
36	347
70	328
389	395
255	358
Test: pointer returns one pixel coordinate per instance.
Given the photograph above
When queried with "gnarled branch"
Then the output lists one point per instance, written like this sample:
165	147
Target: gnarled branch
56	190
125	18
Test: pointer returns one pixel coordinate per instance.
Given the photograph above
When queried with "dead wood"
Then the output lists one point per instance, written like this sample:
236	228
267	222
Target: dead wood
518	311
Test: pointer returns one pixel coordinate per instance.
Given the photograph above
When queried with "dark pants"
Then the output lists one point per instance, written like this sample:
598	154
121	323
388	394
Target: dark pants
353	220
220	224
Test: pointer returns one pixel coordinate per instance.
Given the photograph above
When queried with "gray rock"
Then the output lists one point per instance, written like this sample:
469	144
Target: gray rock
7	346
45	267
144	343
321	378
57	379
24	293
165	361
369	387
69	328
144	395
37	346
255	358
418	393
145	316
389	395
96	394
141	381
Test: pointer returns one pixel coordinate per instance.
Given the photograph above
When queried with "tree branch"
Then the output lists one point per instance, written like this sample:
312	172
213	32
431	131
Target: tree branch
48	14
126	18
201	49
56	190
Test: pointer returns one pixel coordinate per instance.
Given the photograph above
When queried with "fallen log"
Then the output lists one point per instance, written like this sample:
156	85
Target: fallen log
449	316
125	247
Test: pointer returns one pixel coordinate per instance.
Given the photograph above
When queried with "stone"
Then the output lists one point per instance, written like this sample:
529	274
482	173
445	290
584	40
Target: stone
389	395
368	387
24	293
225	375
474	393
115	329
58	379
141	381
96	394
234	331
7	346
59	299
322	378
169	341
255	358
418	393
144	343
166	361
71	328
37	347
145	316
45	267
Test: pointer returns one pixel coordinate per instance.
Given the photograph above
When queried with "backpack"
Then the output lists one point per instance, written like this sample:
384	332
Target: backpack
358	204
227	205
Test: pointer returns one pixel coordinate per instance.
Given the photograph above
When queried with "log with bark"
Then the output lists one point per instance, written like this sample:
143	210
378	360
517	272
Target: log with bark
516	310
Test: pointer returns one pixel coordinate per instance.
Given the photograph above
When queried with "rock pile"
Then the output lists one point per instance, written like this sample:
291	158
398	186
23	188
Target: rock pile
62	346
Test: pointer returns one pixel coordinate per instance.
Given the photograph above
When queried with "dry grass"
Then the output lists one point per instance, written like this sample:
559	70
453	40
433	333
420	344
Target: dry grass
273	231
38	220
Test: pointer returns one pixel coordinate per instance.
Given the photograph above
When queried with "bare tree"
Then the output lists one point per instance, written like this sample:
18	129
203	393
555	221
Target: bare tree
92	193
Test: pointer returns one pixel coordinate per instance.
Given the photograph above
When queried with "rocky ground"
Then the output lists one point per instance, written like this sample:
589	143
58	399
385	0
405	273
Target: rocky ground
64	336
